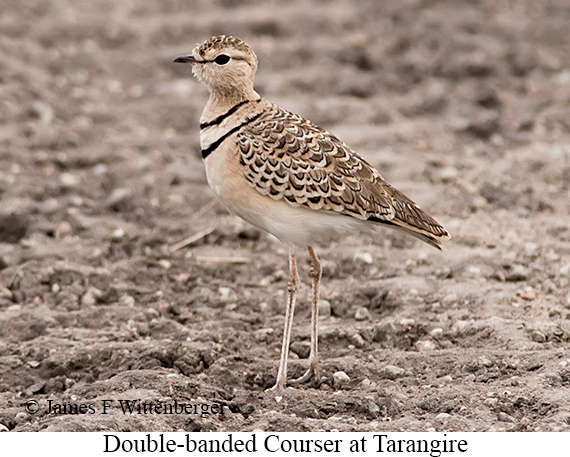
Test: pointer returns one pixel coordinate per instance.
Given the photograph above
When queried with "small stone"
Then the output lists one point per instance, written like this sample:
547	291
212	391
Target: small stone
372	406
91	296
262	333
121	200
538	337
69	180
324	308
3	428
393	372
436	332
448	174
443	416
224	292
127	300
490	402
33	363
504	417
407	322
357	340
384	332
166	264
362	314
301	348
182	277
364	256
485	362
118	234
20	417
425	345
516	273
340	378
63	229
446	379
565	270
527	293
474	271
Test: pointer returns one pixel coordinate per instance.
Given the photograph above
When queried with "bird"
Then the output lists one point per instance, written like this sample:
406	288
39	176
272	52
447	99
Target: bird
289	177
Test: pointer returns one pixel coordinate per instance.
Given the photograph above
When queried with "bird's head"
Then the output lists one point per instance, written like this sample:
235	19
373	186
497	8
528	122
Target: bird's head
225	64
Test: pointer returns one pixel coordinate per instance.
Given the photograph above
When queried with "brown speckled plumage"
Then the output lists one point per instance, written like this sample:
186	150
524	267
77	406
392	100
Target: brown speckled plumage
285	156
285	175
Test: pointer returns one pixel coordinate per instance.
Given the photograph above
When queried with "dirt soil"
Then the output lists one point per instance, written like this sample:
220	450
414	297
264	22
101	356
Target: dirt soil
463	105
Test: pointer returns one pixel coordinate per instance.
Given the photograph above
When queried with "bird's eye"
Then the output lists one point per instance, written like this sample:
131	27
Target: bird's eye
222	59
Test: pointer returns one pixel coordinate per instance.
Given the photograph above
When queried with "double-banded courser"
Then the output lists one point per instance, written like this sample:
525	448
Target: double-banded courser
283	174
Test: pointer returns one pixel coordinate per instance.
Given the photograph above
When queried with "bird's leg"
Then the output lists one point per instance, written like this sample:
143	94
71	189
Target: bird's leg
291	297
316	272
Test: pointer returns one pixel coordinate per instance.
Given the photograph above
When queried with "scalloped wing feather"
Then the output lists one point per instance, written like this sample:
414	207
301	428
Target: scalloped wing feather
287	157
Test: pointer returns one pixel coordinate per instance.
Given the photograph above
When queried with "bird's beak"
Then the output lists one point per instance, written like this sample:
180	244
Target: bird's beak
186	59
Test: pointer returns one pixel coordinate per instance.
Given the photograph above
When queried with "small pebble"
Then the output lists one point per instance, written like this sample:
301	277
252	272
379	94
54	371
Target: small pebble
517	273
443	416
364	256
565	270
63	229
20	417
362	314
69	180
224	292
485	362
437	332
527	293
504	417
474	271
393	372
425	345
118	234
538	337
324	308
372	406
357	340
384	332
448	174
127	300
301	348
91	296
340	378
3	428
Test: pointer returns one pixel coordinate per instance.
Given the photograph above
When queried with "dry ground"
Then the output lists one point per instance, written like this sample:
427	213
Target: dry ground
463	105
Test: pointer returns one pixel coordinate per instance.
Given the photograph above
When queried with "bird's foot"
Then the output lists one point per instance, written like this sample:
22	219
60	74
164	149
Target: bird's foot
311	373
277	389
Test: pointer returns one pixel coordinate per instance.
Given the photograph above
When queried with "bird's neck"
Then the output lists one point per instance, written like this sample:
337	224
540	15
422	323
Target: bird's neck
221	101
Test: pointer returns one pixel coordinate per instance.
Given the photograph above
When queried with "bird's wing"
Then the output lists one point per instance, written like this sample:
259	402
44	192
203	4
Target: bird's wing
287	157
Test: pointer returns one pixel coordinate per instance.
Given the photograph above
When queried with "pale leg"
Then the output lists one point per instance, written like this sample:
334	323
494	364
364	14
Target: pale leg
316	272
291	297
